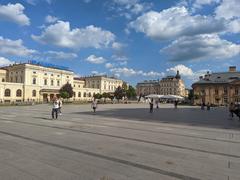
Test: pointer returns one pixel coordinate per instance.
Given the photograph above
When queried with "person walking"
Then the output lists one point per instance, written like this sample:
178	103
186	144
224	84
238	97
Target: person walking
55	108
208	106
231	110
60	106
151	105
94	105
175	104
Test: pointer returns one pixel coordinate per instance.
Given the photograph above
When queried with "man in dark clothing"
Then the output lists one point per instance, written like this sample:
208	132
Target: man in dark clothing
151	106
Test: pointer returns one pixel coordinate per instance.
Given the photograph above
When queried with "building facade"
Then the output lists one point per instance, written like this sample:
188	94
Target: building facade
36	82
218	88
170	85
103	83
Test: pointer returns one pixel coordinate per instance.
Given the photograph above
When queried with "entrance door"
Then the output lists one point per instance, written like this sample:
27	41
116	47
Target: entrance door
51	97
45	97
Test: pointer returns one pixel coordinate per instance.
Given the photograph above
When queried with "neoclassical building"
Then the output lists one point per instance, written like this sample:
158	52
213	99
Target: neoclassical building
219	88
170	85
37	82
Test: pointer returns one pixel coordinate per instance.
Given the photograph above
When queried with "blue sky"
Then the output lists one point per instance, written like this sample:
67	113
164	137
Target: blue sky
134	40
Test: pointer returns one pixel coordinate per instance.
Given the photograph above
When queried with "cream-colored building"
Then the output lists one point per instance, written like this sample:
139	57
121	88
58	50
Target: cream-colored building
37	82
103	83
219	88
170	85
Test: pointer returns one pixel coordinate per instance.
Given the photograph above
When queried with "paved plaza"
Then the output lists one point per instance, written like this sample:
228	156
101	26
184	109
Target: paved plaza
119	142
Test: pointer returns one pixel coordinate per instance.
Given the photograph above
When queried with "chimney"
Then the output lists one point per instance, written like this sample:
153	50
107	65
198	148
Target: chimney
232	69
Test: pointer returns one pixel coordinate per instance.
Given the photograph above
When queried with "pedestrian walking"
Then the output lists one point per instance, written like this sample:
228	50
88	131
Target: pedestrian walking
175	104
208	106
231	109
157	102
202	106
60	106
94	105
55	108
151	105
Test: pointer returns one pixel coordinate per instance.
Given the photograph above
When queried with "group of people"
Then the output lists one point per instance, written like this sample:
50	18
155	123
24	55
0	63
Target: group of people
234	109
57	107
151	103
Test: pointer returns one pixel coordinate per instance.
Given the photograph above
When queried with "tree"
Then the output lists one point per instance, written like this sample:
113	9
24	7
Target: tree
66	91
105	95
125	86
98	96
131	93
119	93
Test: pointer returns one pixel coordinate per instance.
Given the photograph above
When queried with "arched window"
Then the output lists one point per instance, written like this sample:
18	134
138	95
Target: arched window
19	93
7	93
74	94
79	94
85	94
94	94
89	95
34	81
34	93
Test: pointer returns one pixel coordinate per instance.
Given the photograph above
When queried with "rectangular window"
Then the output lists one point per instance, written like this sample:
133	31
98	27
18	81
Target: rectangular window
45	81
58	83
52	83
216	91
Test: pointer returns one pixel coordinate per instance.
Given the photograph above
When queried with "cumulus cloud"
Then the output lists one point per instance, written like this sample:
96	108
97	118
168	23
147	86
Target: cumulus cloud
5	61
14	48
109	65
198	4
59	55
95	60
228	9
201	47
35	2
131	72
96	73
129	8
14	13
175	22
234	26
187	72
60	34
51	19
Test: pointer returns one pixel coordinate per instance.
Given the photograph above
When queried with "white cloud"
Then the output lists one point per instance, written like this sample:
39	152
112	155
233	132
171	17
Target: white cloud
187	72
118	46
200	3
60	34
175	22
95	60
234	26
51	19
35	2
201	47
228	9
131	72
119	57
109	65
14	13
96	73
5	61
129	8
60	55
14	48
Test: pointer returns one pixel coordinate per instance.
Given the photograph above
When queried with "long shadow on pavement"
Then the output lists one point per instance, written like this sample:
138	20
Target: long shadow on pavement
215	118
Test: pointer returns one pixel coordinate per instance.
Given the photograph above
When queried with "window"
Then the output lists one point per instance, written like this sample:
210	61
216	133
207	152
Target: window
236	91
51	74
34	72
7	93
225	91
45	74
67	76
52	82
85	94
216	91
45	81
16	79
79	94
3	80
11	79
19	93
89	95
34	81
74	94
34	93
58	83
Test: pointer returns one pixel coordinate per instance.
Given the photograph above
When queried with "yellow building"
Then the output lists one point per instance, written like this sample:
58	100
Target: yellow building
170	85
37	82
103	83
218	88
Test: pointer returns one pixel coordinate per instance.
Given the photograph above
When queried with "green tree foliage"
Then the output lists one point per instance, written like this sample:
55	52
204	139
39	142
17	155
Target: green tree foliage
98	96
66	90
131	93
119	93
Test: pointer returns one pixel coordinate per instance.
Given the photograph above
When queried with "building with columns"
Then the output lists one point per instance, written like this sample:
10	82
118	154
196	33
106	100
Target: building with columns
38	82
170	85
219	88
